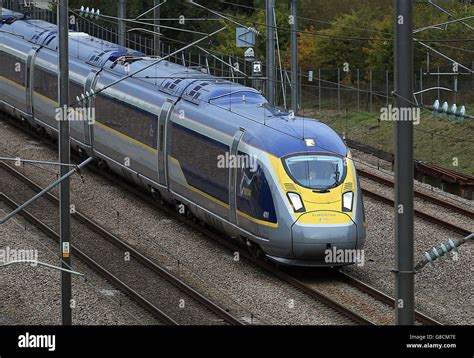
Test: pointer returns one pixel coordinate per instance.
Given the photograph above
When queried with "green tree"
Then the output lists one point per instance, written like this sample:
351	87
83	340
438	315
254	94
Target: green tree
345	42
379	51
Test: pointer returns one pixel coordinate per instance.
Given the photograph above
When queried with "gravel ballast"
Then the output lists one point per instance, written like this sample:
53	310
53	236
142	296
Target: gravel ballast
209	267
31	295
442	292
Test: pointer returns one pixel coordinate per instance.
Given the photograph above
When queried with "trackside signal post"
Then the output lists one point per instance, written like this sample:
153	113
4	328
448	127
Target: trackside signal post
294	56
404	271
122	29
156	36
64	159
270	8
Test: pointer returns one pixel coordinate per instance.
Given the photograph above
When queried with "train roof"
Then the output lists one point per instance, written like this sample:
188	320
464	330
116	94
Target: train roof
82	46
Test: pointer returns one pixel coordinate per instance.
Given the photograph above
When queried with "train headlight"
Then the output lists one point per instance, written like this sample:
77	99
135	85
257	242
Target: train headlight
347	201
296	202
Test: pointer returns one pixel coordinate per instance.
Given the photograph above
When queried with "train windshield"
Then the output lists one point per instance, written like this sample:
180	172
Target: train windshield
318	172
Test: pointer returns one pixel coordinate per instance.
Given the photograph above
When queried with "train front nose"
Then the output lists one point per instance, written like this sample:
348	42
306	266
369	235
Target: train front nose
324	238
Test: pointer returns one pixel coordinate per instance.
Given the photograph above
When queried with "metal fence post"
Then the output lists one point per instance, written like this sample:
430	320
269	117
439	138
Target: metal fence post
122	10
439	83
319	84
156	37
338	89
421	86
300	85
222	66
294	57
271	75
371	89
358	90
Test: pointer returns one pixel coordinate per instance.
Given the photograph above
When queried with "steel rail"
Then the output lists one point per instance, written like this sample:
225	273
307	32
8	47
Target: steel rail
270	268
418	193
153	266
133	294
382	297
419	213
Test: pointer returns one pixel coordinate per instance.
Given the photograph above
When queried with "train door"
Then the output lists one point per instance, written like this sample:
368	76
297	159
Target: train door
29	83
233	176
90	84
162	137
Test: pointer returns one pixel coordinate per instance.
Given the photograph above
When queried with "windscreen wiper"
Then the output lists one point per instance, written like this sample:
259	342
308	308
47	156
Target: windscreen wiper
322	191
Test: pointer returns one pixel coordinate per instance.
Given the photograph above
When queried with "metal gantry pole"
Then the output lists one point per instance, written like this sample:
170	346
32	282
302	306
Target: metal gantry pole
294	56
270	7
64	158
16	5
122	29
404	272
156	37
421	86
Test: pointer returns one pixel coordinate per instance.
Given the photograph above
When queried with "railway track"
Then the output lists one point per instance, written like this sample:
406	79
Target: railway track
361	297
382	297
163	294
308	288
343	313
424	168
419	194
304	287
468	214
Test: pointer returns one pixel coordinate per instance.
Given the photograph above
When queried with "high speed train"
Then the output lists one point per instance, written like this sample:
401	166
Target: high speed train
283	184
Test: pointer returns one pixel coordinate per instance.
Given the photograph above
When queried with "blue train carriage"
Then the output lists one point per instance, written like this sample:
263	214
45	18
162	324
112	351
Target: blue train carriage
292	192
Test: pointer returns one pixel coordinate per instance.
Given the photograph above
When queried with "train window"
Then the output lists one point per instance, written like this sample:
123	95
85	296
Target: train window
198	156
162	137
46	83
254	196
12	68
127	119
316	171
